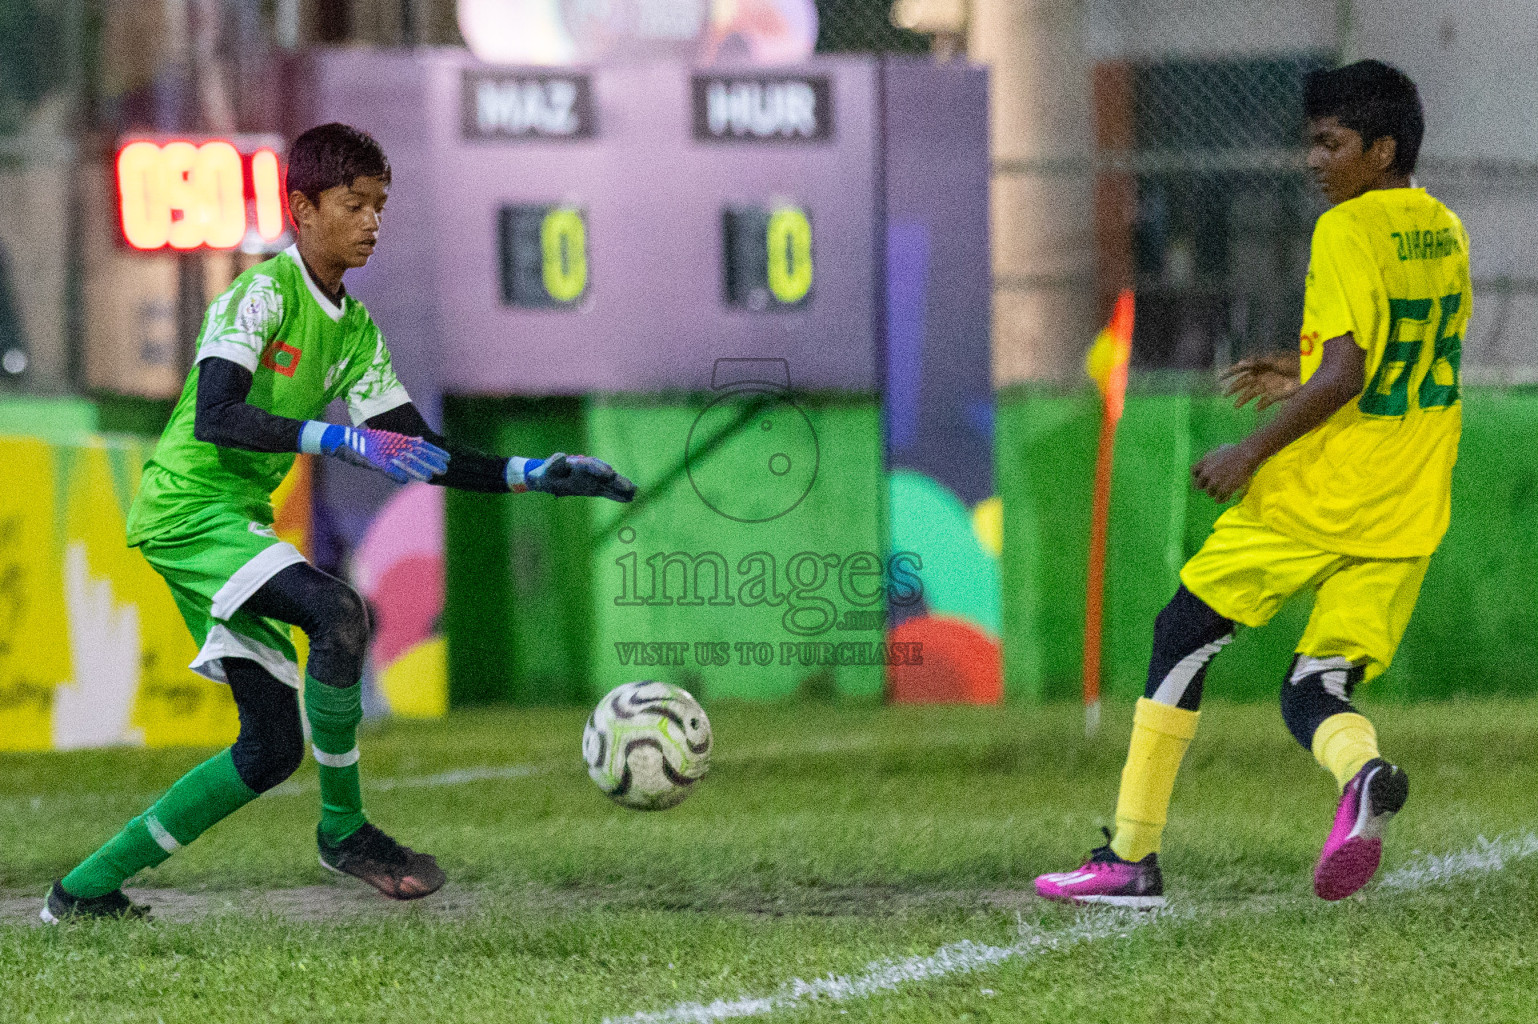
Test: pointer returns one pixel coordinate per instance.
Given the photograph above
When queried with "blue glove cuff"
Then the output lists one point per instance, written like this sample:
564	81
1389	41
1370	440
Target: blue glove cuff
312	436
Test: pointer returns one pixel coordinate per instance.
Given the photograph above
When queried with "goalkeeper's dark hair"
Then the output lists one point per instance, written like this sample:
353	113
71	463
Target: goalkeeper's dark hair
333	154
1373	99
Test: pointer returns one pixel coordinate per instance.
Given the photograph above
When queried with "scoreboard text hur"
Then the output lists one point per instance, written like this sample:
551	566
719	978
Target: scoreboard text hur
767	256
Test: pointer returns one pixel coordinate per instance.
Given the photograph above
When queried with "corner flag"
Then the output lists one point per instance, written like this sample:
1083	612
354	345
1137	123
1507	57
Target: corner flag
1106	363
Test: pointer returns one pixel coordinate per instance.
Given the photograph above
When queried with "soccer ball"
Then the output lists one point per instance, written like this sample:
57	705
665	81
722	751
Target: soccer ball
646	744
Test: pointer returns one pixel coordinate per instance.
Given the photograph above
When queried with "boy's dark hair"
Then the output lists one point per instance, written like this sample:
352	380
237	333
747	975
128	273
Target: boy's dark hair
1374	100
333	154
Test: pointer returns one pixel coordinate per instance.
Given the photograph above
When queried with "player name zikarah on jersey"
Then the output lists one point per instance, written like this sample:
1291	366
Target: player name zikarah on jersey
1391	268
303	351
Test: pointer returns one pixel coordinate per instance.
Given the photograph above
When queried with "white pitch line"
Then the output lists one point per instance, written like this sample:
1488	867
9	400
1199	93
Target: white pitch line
1485	857
440	780
884	975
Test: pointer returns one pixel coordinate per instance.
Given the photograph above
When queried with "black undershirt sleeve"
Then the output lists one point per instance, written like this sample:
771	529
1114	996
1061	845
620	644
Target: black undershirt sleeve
225	418
469	470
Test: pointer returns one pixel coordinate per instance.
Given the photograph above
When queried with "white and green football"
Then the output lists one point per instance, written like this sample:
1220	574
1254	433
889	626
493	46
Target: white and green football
646	744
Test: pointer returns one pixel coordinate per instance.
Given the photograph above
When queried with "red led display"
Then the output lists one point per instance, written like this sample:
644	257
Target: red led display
191	194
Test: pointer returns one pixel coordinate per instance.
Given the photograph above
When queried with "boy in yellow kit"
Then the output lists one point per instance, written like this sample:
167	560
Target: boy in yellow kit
1349	490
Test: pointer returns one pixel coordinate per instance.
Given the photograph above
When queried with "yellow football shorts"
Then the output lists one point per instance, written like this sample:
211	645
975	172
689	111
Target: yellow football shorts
1246	570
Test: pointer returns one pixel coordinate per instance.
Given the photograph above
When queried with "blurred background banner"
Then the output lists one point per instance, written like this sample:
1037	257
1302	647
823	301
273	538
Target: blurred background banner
93	651
885	232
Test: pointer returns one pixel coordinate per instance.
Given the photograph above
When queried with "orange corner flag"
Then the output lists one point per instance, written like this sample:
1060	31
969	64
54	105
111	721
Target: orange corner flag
1106	362
1107	359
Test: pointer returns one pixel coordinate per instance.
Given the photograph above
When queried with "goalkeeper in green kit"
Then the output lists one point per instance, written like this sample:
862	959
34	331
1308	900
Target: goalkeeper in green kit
279	345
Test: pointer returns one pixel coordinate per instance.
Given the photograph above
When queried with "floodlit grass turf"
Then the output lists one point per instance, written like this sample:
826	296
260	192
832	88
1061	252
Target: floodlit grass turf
826	837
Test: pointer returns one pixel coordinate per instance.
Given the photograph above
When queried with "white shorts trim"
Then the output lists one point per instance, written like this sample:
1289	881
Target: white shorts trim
248	579
336	760
224	642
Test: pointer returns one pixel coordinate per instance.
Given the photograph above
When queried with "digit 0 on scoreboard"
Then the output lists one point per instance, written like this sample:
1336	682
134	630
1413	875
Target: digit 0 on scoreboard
768	254
218	193
543	255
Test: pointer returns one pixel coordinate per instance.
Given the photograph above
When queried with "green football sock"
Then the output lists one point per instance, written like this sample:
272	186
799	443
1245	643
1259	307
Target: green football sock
211	791
334	713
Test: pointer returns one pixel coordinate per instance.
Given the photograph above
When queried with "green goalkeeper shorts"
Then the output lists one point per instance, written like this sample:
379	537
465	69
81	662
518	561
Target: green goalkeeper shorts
214	562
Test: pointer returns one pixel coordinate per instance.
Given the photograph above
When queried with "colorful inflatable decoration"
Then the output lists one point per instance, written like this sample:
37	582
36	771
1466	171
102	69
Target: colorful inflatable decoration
763	32
566	32
960	664
959	619
398	568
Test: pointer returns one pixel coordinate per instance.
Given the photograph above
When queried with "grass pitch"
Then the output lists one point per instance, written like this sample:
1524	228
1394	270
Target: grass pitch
847	843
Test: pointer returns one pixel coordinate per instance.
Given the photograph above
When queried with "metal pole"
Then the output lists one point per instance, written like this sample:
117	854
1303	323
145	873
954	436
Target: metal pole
189	306
1043	224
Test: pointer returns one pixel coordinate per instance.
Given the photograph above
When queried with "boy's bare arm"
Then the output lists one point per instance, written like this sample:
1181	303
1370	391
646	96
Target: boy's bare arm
1223	471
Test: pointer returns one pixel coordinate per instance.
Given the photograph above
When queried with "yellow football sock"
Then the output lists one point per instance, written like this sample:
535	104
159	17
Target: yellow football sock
1160	735
1343	743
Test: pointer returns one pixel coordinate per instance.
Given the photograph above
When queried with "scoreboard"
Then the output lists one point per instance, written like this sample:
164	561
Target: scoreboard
619	228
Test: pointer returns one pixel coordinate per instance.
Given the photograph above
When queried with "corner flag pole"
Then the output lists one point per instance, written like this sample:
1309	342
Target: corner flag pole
1106	363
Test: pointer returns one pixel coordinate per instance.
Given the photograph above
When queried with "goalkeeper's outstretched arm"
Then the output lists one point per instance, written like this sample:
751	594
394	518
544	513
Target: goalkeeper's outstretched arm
470	470
224	417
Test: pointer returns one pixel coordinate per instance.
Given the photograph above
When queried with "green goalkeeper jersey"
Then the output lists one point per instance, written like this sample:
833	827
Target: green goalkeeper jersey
303	351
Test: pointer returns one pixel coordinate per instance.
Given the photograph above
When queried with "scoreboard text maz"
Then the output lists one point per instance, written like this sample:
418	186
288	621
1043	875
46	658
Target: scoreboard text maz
201	193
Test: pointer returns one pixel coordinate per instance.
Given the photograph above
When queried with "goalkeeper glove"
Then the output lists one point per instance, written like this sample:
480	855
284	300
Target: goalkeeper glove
566	475
401	458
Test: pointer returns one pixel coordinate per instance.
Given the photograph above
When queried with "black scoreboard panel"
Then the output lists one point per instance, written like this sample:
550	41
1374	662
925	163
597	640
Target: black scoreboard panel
766	259
543	255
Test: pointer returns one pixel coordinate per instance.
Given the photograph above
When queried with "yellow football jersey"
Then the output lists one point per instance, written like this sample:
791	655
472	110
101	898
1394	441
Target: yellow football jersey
1391	267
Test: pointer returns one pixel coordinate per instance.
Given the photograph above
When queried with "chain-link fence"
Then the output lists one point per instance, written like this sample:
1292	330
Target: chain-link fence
1219	222
1196	185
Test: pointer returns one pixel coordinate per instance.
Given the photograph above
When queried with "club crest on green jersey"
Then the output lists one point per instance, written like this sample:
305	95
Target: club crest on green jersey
261	308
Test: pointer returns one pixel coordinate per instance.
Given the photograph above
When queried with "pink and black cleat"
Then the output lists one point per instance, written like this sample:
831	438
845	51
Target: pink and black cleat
1107	880
1351	854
